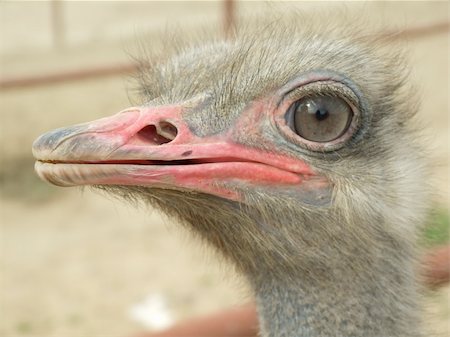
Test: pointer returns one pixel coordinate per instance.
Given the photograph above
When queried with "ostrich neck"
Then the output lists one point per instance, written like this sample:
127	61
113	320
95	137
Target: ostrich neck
342	303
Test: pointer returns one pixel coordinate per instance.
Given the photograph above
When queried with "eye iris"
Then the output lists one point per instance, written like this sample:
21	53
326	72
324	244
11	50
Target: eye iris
321	118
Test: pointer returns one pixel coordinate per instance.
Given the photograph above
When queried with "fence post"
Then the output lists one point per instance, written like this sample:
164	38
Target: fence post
228	17
58	27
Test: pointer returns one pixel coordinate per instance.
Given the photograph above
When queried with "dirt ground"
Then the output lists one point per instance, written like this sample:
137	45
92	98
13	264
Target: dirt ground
74	262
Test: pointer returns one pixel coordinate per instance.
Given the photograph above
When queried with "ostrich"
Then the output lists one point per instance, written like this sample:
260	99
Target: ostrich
291	150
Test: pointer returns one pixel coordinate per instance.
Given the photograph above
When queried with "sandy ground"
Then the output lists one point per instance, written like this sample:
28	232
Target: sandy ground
74	262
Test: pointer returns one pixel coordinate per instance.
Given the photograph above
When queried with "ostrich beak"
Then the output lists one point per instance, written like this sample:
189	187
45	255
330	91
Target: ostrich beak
154	147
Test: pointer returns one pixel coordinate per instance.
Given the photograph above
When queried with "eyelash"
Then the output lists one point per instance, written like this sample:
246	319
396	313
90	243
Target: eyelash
325	88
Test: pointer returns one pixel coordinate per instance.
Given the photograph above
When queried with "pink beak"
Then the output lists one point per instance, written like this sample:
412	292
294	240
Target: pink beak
153	146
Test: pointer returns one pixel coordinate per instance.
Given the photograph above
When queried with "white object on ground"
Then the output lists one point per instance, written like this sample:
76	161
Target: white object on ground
152	313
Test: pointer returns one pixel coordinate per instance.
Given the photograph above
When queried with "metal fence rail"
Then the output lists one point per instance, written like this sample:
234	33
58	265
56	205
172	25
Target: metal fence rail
14	82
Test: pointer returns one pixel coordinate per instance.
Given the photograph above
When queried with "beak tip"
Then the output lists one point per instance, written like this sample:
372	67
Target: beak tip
47	142
43	145
37	148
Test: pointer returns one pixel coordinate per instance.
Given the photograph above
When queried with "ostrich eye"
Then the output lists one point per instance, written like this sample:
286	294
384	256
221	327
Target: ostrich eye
321	118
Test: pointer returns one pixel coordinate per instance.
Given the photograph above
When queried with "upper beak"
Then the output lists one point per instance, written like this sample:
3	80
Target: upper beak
155	147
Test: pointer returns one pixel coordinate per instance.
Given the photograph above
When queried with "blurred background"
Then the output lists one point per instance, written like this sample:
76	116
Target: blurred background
76	263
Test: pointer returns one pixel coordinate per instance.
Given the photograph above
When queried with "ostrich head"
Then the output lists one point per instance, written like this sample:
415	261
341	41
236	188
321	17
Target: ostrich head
289	149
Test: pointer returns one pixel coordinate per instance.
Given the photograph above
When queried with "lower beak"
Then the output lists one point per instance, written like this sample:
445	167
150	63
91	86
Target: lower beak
154	147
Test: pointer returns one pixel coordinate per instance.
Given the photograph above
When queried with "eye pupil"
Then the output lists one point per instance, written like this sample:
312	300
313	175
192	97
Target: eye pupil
321	114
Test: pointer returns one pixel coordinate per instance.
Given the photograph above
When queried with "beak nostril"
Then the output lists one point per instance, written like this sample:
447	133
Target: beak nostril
167	130
155	134
149	135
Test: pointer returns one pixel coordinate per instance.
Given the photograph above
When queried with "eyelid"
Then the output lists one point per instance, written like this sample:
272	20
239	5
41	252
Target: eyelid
325	88
288	99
